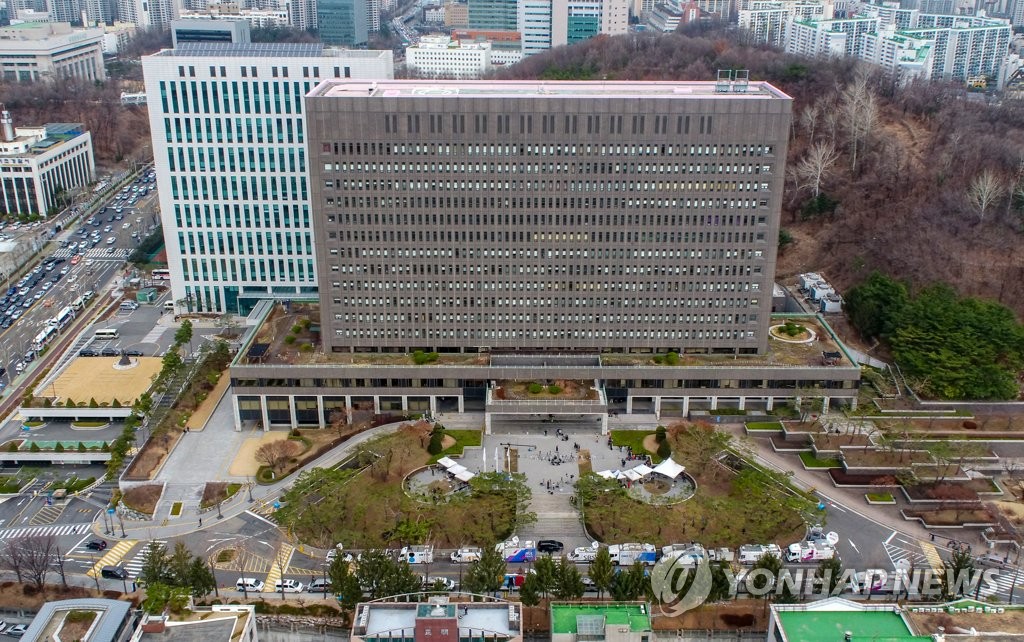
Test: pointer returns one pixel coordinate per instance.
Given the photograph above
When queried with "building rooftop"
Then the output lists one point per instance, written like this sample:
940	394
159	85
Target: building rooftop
831	619
265	50
533	88
219	623
208	631
386	619
591	619
32	141
111	616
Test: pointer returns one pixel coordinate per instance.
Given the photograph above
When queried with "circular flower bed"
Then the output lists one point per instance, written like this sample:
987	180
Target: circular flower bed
790	332
659	490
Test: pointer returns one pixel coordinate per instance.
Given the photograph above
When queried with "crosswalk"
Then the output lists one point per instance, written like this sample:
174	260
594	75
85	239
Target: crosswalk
898	553
118	254
154	335
42	531
112	557
138	560
281	562
931	555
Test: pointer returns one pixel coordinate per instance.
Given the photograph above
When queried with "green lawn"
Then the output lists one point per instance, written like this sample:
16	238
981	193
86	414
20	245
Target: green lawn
463	438
773	426
633	439
811	461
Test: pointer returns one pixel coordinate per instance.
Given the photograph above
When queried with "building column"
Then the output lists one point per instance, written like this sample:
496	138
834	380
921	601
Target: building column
853	403
686	407
743	403
604	424
462	405
433	405
405	403
266	415
348	409
657	407
291	411
236	414
714	403
824	404
769	403
320	410
629	405
376	404
487	423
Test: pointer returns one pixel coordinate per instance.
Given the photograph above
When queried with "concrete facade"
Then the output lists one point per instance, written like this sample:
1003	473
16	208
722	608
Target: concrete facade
39	162
50	51
547	217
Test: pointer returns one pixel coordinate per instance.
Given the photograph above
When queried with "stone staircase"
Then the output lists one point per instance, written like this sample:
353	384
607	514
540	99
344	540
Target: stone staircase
557	519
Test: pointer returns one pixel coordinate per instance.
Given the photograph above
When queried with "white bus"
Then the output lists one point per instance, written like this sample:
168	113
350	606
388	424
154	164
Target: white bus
63	318
45	336
161	274
106	334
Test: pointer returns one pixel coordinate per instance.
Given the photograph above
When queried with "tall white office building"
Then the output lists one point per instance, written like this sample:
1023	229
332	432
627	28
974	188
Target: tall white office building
534	25
230	155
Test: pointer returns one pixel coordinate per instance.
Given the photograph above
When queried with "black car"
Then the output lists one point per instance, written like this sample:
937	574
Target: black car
110	352
88	353
549	546
96	545
133	353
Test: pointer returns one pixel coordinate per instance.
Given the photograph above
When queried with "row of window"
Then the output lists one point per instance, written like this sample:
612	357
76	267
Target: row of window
504	236
548	124
500	150
244	216
548	186
234	159
584	168
427	382
568	203
577	269
234	188
233	97
252	71
234	130
571	216
507	317
241	270
247	244
507	334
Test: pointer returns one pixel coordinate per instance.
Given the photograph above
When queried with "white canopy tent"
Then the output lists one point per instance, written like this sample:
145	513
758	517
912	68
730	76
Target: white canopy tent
643	470
631	474
669	468
446	462
606	474
464	476
456	469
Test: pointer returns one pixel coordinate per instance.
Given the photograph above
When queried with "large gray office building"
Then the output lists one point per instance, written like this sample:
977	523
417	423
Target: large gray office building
574	235
546	216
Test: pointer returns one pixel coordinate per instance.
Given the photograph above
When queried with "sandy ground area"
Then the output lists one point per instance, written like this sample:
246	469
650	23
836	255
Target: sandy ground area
202	414
245	463
96	378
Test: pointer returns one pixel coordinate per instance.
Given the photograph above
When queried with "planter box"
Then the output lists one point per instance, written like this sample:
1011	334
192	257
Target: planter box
880	502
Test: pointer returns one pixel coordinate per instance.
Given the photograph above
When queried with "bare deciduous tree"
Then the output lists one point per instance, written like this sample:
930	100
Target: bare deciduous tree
985	190
815	166
809	119
12	559
37	558
275	453
859	108
59	559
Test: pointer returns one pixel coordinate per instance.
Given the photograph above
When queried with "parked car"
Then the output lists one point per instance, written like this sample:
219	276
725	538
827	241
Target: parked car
97	545
133	353
288	586
249	584
88	353
319	585
110	352
549	546
17	630
446	582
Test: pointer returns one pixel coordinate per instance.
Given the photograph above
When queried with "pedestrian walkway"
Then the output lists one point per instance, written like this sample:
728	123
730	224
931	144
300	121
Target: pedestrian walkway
43	531
279	566
119	254
932	556
112	557
138	560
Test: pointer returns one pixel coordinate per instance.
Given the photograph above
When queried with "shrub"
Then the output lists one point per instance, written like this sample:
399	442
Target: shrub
970	425
34	447
47	403
295	433
12	447
59	448
290	339
535	388
69	403
436	443
115	404
420	357
792	329
306	323
93	403
553	389
664	449
672	358
306	347
658	359
106	447
81	447
659	434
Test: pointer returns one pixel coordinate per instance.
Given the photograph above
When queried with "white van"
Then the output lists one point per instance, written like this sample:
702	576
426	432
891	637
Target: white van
249	584
78	304
169	306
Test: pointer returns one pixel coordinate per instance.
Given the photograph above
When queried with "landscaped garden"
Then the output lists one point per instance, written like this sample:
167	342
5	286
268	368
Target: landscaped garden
555	389
143	499
732	505
810	461
367	507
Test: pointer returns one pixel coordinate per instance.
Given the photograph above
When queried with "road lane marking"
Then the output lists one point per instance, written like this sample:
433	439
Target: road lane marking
931	554
890	537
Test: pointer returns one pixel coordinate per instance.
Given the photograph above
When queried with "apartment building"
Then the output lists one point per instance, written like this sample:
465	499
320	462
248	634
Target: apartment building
766	20
344	22
33	51
964	46
229	143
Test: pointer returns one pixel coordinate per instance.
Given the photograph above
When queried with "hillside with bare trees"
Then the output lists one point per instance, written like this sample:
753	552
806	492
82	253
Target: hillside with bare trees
922	182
